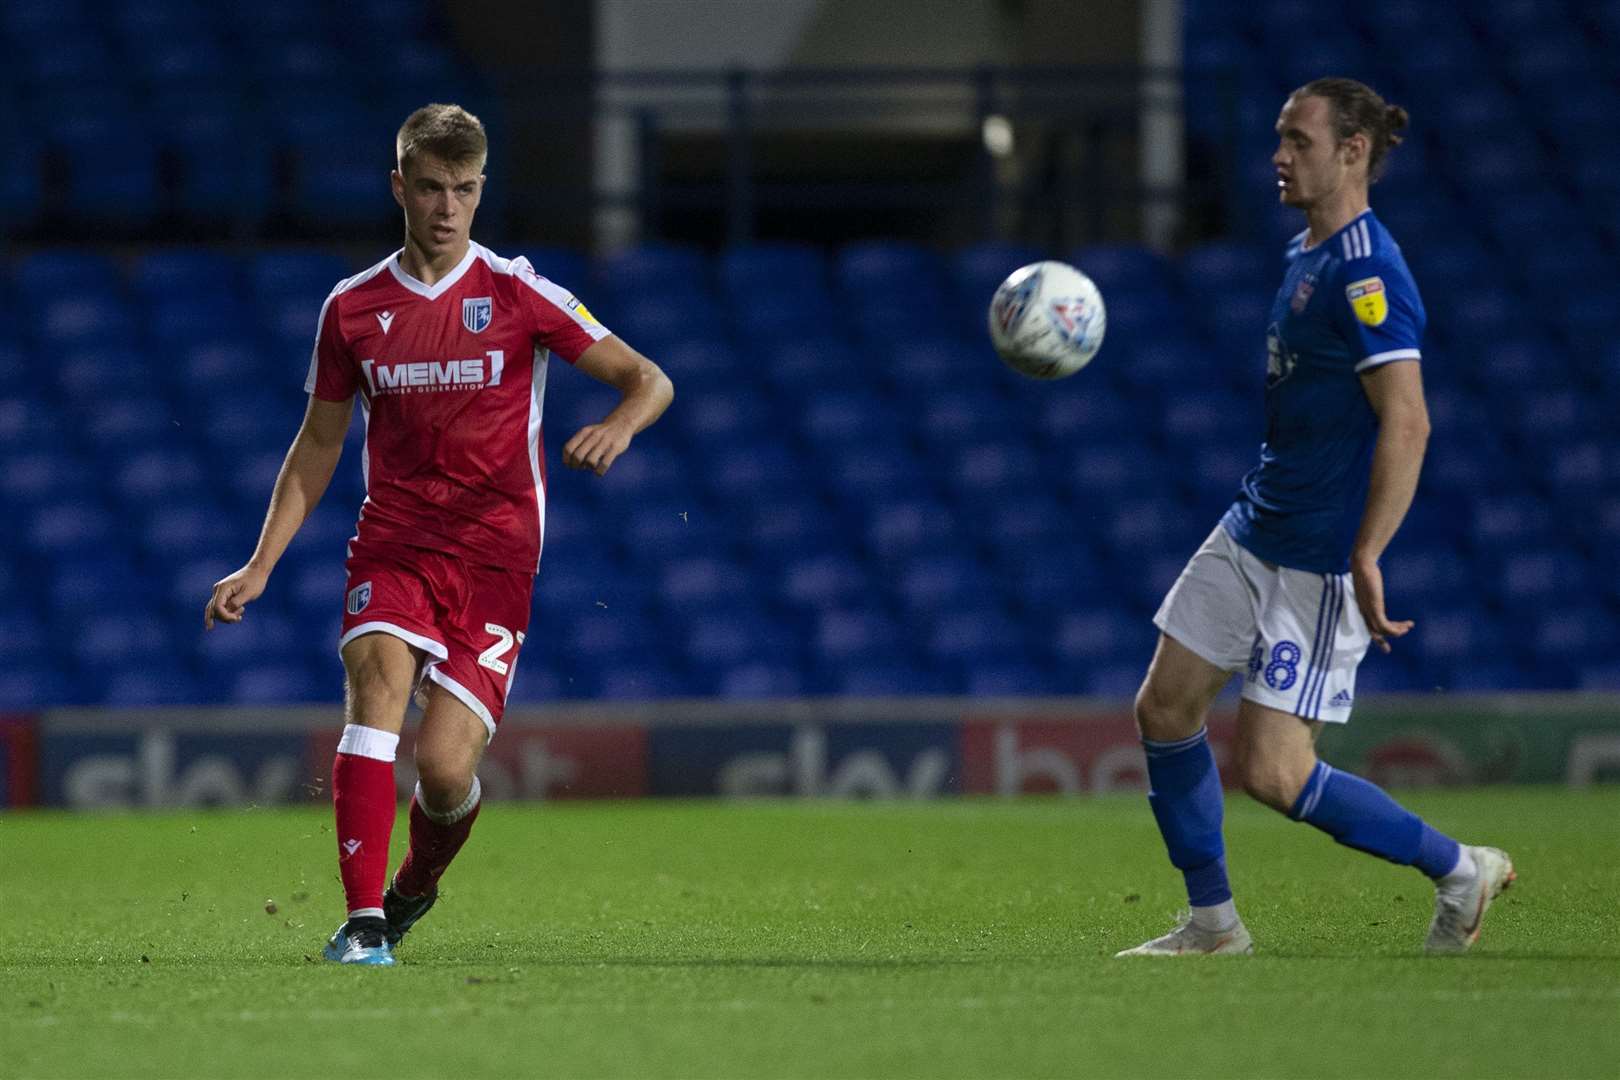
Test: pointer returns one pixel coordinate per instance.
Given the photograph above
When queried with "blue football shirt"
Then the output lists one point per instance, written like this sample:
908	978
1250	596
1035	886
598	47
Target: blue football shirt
1346	306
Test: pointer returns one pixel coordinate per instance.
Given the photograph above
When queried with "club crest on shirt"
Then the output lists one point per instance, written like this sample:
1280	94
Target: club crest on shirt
1368	300
359	597
476	312
1302	294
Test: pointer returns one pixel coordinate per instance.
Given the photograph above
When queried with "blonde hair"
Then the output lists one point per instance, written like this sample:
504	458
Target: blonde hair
445	131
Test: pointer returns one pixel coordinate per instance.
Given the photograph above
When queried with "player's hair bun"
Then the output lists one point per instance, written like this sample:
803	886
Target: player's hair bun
1395	121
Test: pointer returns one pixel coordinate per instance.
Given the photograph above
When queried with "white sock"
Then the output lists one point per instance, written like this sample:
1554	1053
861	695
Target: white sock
1462	873
1216	918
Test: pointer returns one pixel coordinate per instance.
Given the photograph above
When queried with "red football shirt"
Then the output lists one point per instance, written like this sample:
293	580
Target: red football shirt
451	379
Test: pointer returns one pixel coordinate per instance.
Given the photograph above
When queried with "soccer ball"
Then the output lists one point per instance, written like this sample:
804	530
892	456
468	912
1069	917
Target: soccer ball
1047	320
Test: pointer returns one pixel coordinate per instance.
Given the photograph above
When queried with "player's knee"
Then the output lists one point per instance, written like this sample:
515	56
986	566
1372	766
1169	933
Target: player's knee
446	778
1268	780
1162	719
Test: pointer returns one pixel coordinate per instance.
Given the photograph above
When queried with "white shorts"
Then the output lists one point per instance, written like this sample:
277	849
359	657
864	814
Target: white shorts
1299	635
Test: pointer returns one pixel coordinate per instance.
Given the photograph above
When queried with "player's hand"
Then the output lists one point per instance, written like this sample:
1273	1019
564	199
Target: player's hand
1369	582
595	447
232	594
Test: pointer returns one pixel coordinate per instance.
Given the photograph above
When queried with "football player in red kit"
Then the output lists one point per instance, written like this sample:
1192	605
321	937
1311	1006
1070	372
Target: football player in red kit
445	345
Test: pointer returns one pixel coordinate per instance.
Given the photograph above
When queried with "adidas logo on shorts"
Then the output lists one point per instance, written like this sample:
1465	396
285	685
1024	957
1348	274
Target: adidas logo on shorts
1341	700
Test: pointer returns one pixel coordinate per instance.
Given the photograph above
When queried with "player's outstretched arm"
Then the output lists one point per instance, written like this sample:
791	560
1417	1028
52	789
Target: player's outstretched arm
1396	393
644	393
299	486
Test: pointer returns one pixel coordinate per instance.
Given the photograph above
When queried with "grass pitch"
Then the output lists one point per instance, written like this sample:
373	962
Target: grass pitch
969	938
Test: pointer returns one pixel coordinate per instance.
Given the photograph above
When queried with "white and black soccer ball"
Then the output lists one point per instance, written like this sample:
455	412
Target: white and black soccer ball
1047	320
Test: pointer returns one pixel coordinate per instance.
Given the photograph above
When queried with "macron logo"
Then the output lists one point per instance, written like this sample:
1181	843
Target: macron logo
386	318
427	376
350	847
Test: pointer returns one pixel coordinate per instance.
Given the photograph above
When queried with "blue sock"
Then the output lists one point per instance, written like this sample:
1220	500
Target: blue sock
1184	789
1361	815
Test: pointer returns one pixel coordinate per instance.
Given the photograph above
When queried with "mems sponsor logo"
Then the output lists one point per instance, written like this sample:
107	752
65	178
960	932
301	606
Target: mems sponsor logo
433	376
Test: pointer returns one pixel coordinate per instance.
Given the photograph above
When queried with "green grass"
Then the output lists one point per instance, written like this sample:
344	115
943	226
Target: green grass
969	938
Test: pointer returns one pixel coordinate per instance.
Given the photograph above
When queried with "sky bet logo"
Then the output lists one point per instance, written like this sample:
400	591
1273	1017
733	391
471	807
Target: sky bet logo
431	376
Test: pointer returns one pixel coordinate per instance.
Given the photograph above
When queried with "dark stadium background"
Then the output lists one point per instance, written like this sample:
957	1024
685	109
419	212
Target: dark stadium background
800	211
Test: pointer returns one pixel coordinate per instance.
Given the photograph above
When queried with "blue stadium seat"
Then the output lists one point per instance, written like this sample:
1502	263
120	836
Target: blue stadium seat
717	639
98	645
123	426
183	529
150	684
70	320
277	683
1509	520
777	268
1117	268
949	365
1005	469
877	678
1013	678
1102	474
974	634
24	689
24	639
709	363
776	527
1539	577
1209	268
745	470
948	417
889	268
34	477
1037	521
189	275
904	526
756	679
725	415
871	474
835	417
581	582
802	366
68	526
153	477
653	268
703	582
941	582
642	682
826	580
277	273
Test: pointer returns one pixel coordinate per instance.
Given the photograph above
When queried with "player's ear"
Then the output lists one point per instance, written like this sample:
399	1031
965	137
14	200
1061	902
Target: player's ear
396	183
1355	148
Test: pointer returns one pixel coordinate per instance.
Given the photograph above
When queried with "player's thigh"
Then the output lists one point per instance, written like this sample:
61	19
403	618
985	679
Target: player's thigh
1275	752
379	673
1177	691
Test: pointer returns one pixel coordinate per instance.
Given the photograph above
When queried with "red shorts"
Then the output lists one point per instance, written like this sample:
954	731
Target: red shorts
468	619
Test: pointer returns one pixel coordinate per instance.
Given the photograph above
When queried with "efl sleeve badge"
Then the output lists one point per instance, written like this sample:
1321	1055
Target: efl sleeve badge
1368	300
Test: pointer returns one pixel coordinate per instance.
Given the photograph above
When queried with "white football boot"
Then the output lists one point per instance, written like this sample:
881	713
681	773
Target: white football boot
1189	940
1459	910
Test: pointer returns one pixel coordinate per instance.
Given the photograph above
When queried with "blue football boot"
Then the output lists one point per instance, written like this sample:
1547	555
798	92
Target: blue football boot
360	941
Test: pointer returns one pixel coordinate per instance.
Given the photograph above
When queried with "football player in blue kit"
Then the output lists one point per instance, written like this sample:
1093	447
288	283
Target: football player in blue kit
1287	588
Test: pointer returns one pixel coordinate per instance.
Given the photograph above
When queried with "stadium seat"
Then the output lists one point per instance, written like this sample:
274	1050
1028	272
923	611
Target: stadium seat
771	269
760	680
653	269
